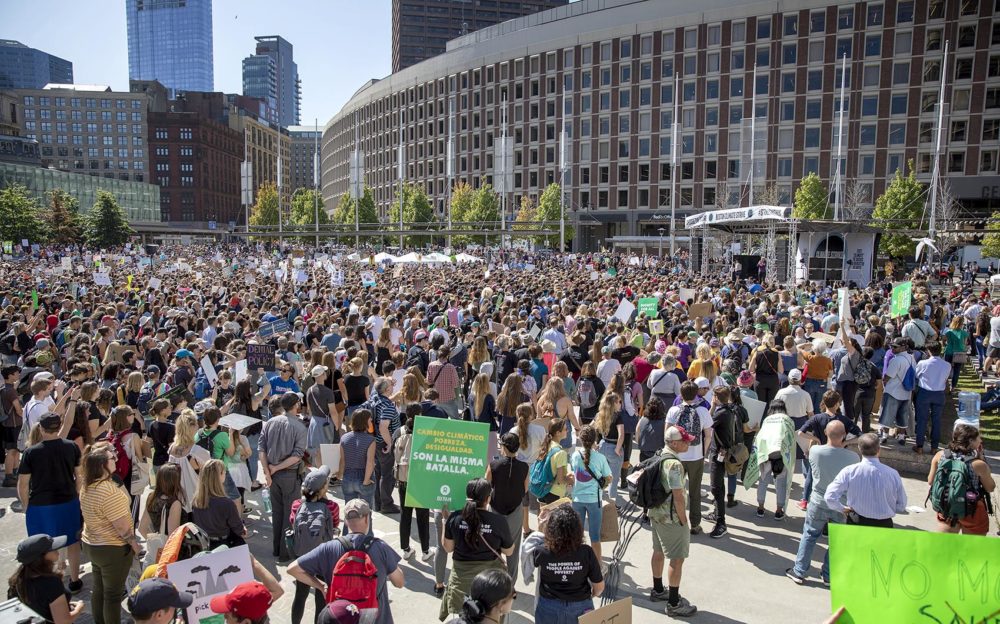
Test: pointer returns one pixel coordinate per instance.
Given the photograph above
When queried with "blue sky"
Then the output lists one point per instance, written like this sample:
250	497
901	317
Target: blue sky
339	44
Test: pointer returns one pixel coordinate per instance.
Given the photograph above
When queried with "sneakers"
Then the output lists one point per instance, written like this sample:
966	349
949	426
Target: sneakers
659	596
718	531
779	514
682	609
901	439
798	580
883	435
697	530
408	554
429	555
803	504
760	512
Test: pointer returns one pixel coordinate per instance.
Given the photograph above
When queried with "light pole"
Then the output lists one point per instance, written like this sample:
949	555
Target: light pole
661	230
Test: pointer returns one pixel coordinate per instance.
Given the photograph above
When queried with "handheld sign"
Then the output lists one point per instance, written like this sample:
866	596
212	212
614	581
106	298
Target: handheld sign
275	327
902	297
208	576
624	311
239	422
656	327
648	306
260	356
444	456
209	369
618	612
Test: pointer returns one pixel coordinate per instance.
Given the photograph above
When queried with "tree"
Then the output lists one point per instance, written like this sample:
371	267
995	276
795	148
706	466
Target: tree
812	200
106	225
63	219
483	212
766	195
367	216
20	217
417	212
900	208
526	215
462	196
549	210
265	209
857	201
304	204
991	242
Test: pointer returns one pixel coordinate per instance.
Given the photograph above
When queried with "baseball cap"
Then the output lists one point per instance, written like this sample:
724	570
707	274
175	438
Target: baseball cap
43	375
316	479
677	433
356	508
702	382
154	594
795	375
340	612
248	600
318	370
183	353
153	369
419	335
50	421
34	548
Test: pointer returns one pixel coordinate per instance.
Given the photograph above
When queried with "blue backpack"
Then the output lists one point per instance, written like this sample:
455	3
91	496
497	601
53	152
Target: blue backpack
909	379
542	476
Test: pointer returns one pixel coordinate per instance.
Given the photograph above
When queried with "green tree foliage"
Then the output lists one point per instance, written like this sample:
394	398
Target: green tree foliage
265	209
899	208
20	217
63	218
991	242
548	210
417	214
483	213
304	203
812	200
526	215
461	202
106	225
367	213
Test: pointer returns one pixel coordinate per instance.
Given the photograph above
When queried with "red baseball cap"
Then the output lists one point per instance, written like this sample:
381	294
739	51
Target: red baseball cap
248	600
677	433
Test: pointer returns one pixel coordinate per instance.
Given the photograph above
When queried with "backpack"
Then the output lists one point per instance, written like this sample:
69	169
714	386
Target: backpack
207	442
542	476
355	577
4	416
649	491
735	353
954	490
689	419
123	465
909	379
310	528
146	395
587	393
863	373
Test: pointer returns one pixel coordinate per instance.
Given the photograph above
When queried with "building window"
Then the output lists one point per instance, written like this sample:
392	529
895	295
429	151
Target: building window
956	162
897	133
991	129
904	12
817	22
845	18
791	25
875	14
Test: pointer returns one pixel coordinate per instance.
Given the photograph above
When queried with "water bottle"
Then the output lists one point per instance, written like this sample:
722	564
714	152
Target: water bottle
265	498
968	409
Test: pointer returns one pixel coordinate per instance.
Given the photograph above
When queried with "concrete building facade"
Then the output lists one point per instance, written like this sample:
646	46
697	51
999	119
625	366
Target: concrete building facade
15	148
272	75
22	67
608	72
265	146
304	140
171	41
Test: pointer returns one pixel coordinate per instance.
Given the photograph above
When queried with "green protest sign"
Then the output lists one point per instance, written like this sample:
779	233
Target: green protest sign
898	576
444	456
902	297
649	305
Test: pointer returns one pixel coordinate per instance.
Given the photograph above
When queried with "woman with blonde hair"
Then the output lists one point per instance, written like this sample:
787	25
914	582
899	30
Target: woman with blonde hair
511	395
383	348
553	400
610	425
409	394
129	395
213	511
188	455
478	354
705	364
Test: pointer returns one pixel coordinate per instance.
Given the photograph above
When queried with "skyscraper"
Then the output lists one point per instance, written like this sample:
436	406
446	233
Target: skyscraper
171	41
22	67
422	28
272	75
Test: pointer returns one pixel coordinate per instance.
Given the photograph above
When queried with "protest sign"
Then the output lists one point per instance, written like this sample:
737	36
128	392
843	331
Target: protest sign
102	279
687	294
260	356
154	283
902	297
239	371
594	276
445	455
367	279
208	576
656	327
755	411
700	310
844	300
536	330
209	369
239	422
649	306
618	612
301	276
275	327
624	311
912	576
330	456
67	263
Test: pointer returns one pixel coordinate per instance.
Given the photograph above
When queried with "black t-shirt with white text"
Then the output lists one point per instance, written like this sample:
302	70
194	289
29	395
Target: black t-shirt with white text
492	529
565	577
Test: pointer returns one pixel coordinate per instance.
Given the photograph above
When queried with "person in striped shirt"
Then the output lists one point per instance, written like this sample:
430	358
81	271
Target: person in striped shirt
874	491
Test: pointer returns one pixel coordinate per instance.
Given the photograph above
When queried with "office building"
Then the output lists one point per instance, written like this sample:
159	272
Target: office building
271	75
15	148
605	71
422	28
195	160
266	145
22	67
304	141
170	41
88	129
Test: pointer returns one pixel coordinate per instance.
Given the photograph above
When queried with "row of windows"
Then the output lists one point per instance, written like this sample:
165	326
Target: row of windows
75	102
76	115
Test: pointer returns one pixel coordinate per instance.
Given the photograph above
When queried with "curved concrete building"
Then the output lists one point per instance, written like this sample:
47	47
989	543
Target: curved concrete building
756	87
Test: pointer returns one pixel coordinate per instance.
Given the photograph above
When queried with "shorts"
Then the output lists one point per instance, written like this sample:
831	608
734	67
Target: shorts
9	437
54	520
993	352
530	502
673	540
976	524
232	493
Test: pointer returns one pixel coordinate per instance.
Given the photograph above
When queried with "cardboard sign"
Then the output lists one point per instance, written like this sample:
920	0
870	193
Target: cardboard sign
102	279
239	371
208	576
594	276
700	310
649	306
911	576
844	299
330	456
67	263
367	279
155	283
444	456
687	294
261	356
618	612
902	298
275	327
624	311
239	422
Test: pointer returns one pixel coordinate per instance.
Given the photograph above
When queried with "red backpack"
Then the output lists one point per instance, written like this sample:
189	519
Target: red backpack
123	465
355	577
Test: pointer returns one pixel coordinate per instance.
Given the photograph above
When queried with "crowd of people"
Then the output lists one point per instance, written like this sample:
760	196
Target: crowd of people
136	403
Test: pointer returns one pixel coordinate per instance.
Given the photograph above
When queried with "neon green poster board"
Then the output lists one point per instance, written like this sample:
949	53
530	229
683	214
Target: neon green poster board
649	305
444	456
897	576
902	297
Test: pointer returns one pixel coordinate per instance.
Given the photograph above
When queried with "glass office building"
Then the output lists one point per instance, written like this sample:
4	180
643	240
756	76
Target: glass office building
171	41
22	67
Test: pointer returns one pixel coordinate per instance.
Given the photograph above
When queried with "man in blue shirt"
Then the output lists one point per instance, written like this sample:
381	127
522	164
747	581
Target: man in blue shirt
282	381
933	373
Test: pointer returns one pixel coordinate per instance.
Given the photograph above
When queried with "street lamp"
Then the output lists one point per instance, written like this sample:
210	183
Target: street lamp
661	230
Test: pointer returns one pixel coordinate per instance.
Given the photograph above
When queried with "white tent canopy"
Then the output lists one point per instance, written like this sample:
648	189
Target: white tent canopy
382	257
409	258
435	257
464	257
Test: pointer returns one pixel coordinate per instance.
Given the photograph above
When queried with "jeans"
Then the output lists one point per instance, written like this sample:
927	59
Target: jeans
110	565
514	520
552	611
615	462
694	470
956	370
780	485
807	485
980	350
590	515
441	557
895	412
302	592
816	520
815	388
929	403
406	522
253	463
286	486
385	483
352	488
718	477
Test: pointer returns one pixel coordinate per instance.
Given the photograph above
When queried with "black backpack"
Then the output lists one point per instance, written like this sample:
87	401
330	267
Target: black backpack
207	442
649	491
